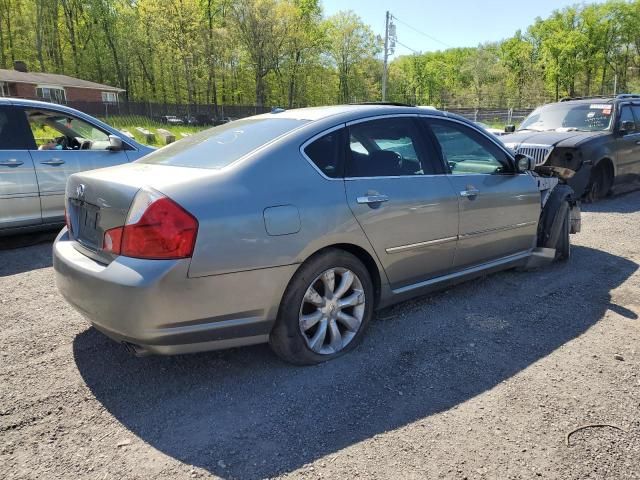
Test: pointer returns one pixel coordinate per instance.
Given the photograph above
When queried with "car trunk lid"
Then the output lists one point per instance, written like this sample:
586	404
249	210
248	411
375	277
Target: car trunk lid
99	200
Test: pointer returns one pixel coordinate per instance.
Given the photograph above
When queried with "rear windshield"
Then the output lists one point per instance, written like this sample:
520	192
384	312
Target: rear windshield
220	146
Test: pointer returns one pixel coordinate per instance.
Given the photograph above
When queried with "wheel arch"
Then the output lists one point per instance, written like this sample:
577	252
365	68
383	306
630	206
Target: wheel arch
549	220
609	163
361	254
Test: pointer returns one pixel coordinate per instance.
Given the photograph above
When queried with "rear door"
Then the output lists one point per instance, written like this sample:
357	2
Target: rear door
408	211
65	144
499	209
19	202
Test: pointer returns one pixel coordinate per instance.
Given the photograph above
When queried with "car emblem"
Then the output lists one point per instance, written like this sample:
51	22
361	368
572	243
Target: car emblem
80	191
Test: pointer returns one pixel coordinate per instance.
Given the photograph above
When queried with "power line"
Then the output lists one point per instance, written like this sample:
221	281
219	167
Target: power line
421	33
407	47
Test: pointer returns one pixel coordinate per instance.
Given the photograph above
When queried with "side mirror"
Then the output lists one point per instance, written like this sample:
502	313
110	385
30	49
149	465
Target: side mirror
115	143
627	127
524	163
509	128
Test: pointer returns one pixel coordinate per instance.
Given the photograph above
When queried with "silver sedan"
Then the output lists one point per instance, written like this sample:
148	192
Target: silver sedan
293	227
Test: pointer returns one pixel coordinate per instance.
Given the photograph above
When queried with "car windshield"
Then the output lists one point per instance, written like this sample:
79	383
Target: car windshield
220	146
584	117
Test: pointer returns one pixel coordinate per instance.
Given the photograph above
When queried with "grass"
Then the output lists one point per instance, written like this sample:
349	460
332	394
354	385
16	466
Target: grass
131	122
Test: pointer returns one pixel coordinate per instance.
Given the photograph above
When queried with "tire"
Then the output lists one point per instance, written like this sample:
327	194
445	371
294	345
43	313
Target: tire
600	183
563	245
297	336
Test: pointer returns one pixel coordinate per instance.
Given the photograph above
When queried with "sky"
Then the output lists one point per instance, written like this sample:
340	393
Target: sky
449	23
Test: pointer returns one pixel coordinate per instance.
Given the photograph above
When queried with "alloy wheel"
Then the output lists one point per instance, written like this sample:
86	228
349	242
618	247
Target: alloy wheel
332	310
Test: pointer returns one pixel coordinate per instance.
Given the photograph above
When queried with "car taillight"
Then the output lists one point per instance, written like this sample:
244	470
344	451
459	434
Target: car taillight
156	228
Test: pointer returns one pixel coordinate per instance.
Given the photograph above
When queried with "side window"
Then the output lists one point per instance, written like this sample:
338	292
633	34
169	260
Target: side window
386	148
626	115
14	130
326	153
636	113
467	151
57	131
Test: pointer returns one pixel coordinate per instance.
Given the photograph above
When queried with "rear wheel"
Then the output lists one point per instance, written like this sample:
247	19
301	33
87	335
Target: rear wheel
324	310
600	182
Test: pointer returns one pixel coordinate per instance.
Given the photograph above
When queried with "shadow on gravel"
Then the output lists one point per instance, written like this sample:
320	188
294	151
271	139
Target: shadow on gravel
23	253
244	414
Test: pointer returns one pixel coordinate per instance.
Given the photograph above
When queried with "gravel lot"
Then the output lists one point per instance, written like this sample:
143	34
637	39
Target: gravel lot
483	380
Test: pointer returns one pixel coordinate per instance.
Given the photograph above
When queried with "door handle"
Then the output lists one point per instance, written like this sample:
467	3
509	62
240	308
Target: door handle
471	193
53	161
372	199
12	162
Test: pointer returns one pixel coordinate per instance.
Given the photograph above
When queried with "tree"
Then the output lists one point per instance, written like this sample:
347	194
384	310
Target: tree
262	27
351	42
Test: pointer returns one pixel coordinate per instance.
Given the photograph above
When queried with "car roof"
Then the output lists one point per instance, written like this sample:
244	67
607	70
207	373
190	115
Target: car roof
23	102
346	113
588	100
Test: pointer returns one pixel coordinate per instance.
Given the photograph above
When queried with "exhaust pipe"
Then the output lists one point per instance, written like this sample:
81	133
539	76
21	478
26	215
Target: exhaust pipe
136	350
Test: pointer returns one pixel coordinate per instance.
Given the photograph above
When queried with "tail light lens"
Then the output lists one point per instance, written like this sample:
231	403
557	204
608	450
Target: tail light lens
156	228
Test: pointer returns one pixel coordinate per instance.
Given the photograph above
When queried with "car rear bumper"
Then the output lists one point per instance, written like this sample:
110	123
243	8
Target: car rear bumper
154	305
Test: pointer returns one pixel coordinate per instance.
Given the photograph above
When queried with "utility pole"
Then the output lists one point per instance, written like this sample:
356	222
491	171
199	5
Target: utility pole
386	57
389	48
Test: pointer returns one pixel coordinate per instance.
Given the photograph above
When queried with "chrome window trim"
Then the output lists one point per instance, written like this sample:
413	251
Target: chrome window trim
393	115
381	117
344	125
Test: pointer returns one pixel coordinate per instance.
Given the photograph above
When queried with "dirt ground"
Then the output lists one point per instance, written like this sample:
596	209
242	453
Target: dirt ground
482	381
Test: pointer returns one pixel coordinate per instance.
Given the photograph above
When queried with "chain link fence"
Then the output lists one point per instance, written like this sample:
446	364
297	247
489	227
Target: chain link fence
492	116
185	119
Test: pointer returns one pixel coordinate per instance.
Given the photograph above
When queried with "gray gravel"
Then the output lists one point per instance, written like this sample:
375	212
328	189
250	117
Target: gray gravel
483	380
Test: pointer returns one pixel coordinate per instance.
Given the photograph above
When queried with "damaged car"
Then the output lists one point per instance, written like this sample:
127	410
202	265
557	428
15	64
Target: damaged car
293	227
597	137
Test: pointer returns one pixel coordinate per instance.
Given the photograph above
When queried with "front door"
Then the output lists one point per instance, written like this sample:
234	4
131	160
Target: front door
65	145
627	146
19	202
407	210
499	209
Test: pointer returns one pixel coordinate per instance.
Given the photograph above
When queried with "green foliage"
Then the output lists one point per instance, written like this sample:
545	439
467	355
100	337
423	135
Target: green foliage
130	122
577	51
285	53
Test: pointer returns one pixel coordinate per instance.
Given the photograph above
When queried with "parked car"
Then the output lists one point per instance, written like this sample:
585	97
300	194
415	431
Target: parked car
171	120
41	144
293	227
598	138
222	120
198	120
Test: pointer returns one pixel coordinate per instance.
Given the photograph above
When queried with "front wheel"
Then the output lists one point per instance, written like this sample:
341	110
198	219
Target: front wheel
324	310
600	183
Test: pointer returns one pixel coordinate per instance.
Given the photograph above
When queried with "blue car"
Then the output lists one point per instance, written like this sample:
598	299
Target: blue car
41	145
